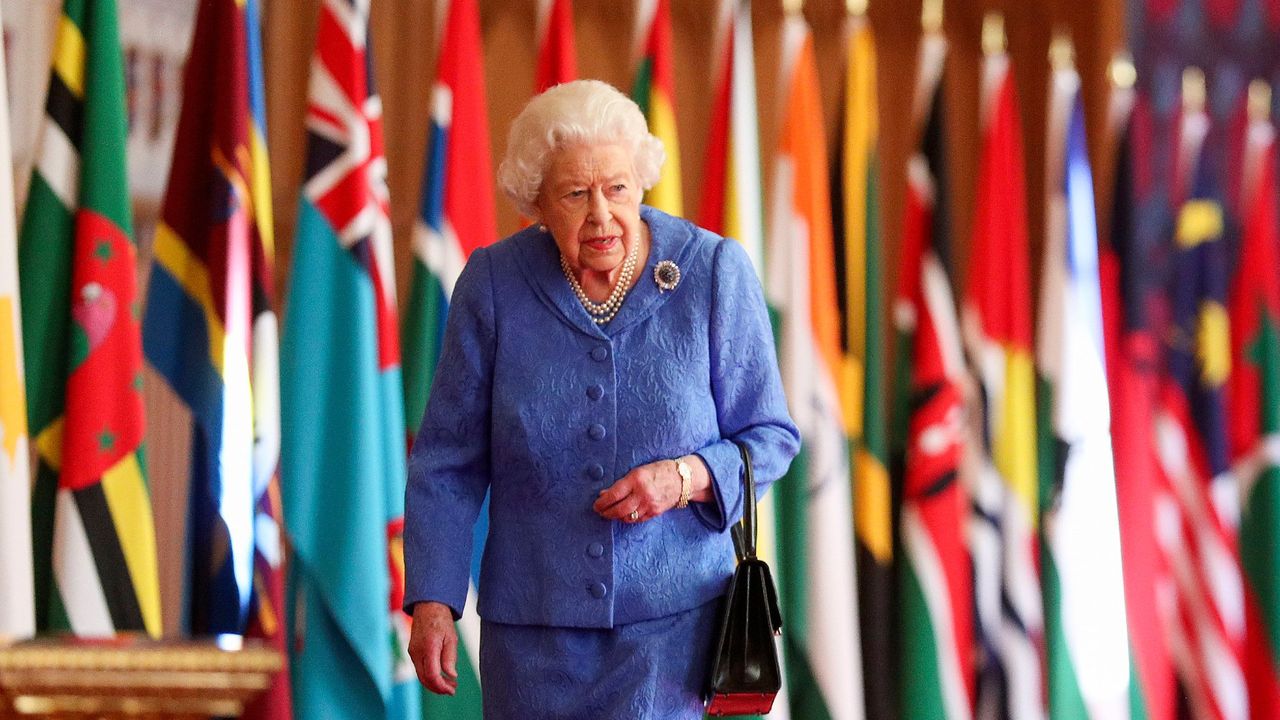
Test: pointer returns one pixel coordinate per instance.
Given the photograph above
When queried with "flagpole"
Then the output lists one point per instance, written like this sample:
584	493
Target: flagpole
931	17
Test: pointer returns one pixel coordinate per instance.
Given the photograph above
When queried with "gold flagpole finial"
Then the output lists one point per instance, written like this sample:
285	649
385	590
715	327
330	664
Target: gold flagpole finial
993	37
931	16
793	7
1124	75
856	7
1062	52
1193	90
1259	101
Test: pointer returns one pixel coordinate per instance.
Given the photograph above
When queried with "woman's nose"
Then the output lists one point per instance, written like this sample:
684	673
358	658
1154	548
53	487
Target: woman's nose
598	211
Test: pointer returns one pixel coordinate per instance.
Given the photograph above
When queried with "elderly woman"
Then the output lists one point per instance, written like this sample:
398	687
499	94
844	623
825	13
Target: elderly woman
597	369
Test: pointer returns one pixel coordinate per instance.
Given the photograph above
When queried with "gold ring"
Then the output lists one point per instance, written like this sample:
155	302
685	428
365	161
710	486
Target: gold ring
635	515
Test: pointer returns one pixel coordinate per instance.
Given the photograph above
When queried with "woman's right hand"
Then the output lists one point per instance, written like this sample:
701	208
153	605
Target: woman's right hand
433	645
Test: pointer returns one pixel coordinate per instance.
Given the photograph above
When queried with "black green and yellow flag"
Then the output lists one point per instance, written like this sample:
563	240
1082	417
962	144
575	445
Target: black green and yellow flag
94	537
855	206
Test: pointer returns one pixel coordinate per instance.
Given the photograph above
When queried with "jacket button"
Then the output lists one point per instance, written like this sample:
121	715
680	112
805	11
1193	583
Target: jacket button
595	550
596	471
596	431
598	590
595	392
599	353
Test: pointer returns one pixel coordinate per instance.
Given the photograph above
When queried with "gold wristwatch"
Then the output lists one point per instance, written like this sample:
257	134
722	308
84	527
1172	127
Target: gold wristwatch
686	482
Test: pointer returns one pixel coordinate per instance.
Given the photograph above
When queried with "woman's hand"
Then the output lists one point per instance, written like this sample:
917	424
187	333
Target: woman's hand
433	645
650	490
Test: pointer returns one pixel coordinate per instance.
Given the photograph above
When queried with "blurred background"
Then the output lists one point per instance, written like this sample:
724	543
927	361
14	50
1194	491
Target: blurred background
1231	43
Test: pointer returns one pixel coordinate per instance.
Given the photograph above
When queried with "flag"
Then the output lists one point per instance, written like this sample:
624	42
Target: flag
93	533
266	615
935	617
210	330
457	216
730	204
1254	392
998	325
855	207
1133	369
1199	536
1085	629
557	60
342	411
17	593
813	502
654	90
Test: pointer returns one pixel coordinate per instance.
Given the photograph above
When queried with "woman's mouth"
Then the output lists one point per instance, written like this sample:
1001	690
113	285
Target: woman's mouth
602	244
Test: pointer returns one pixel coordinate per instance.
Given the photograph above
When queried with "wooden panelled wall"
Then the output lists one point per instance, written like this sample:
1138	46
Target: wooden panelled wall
403	32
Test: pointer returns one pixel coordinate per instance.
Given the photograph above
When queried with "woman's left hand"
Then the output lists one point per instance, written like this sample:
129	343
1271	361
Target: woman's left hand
650	490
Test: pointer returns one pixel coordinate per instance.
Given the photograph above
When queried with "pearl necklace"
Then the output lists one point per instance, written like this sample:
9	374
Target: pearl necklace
603	312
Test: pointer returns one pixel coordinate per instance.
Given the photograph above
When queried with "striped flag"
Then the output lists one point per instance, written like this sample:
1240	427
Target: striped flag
342	411
1133	370
936	670
457	216
858	273
1200	511
557	59
266	614
94	537
1085	625
17	593
1254	392
654	90
731	190
998	333
814	505
732	205
211	331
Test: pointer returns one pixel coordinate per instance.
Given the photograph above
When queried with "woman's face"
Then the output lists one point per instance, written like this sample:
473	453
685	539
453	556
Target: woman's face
590	201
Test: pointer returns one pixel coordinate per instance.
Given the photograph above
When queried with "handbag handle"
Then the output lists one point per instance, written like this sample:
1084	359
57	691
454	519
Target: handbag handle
744	534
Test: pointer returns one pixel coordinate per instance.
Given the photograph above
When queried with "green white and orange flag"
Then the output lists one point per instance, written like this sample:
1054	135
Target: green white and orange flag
654	90
731	202
855	203
1254	392
17	595
1086	635
813	501
998	333
94	537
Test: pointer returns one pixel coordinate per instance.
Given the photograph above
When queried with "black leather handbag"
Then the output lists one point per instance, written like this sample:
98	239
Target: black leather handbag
745	676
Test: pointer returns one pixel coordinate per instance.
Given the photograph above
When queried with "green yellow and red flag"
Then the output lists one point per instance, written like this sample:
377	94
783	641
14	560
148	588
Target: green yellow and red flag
654	91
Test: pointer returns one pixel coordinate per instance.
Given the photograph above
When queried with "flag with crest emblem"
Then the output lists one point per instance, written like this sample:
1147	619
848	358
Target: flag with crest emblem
93	532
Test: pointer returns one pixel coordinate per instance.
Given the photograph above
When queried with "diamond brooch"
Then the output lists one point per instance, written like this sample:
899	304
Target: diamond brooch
667	275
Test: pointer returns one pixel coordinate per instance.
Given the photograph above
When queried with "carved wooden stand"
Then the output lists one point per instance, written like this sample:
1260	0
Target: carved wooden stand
130	678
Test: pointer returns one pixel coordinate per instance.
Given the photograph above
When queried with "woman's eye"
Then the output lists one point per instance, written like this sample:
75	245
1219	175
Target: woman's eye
618	188
576	194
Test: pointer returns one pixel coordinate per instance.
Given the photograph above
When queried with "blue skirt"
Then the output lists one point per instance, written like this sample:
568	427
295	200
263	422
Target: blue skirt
649	670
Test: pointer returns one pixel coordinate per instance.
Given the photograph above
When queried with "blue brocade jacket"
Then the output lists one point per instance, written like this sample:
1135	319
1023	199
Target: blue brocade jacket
543	409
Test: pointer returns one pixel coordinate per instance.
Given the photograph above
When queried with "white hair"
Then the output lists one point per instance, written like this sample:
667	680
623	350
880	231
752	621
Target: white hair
586	112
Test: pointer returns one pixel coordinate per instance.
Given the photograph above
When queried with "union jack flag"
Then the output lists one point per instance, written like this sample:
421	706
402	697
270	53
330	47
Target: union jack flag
346	176
342	400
